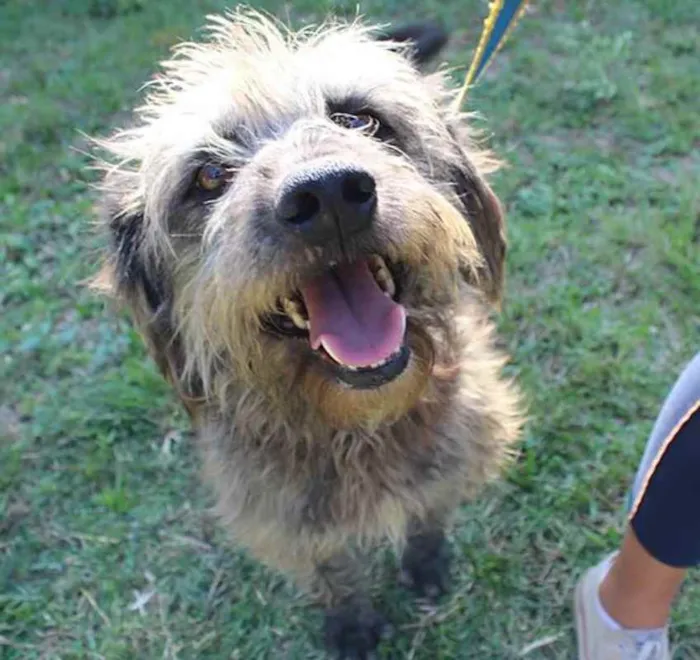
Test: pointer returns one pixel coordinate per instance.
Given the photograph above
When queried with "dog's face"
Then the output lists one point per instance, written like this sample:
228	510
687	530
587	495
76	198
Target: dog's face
296	214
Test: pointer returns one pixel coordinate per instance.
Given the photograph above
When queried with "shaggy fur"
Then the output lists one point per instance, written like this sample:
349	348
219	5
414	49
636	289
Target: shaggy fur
308	470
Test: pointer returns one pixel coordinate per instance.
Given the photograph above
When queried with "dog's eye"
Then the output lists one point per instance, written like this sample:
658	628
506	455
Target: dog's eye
211	177
362	122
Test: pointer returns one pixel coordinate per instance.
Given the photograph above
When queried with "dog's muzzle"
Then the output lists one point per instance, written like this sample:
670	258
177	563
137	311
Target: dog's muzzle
348	311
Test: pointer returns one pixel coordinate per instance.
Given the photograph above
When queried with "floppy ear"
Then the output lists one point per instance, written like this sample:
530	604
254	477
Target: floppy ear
135	275
138	281
427	39
486	218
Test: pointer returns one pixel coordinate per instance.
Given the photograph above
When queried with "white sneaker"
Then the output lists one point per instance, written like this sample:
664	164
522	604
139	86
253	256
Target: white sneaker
597	640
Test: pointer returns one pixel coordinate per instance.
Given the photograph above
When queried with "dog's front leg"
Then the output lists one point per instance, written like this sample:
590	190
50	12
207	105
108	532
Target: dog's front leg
352	627
425	563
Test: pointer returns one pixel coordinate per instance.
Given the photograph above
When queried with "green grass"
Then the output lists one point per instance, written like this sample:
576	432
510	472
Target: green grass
594	105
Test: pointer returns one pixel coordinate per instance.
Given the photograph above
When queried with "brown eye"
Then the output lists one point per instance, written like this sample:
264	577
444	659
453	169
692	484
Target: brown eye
211	177
363	122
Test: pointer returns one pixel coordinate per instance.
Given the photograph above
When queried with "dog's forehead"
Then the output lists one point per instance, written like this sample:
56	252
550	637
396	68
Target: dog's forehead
258	83
348	62
235	94
304	80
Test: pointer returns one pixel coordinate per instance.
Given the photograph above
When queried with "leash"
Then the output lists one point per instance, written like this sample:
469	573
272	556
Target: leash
501	20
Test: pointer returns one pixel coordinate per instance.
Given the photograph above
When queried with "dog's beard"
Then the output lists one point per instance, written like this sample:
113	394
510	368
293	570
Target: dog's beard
340	327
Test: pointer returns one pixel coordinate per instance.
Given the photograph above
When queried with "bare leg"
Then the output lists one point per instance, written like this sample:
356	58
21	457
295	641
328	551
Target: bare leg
638	591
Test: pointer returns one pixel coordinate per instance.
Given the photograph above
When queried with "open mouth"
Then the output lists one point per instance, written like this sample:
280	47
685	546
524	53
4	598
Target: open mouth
351	318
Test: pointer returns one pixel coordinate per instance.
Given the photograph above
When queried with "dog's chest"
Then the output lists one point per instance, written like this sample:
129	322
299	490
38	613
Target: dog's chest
371	482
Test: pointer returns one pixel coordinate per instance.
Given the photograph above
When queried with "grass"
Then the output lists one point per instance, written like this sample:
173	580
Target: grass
106	548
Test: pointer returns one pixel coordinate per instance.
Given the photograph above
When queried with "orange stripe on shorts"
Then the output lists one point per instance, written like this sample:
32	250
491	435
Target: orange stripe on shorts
655	463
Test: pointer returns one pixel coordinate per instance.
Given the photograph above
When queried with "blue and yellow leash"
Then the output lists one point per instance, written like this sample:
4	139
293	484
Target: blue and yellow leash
501	20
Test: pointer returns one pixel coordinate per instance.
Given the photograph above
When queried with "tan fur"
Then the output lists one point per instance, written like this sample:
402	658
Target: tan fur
304	468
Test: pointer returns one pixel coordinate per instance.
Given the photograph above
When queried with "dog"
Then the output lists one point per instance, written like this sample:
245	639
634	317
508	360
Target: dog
303	233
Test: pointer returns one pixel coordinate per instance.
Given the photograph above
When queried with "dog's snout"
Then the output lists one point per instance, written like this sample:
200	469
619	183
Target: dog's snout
322	203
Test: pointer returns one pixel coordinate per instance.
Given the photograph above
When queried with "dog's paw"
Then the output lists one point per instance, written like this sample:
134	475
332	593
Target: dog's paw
353	632
425	565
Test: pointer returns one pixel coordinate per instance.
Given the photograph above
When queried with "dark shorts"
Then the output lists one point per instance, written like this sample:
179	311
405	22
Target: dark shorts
665	503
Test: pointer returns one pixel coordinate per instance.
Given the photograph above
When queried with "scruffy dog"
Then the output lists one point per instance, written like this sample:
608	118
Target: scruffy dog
304	237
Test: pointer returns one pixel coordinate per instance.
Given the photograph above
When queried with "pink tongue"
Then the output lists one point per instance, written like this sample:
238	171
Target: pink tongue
352	318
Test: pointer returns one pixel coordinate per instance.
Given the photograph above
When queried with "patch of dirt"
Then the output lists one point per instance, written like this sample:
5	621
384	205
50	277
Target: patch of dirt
10	424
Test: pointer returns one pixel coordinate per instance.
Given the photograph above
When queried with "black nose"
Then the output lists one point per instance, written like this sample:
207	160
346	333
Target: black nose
326	203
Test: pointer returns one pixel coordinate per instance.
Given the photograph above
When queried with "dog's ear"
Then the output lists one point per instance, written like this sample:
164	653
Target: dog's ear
486	218
135	278
135	274
426	39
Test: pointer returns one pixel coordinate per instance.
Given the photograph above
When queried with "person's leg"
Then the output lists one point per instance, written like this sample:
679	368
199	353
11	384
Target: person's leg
634	590
661	539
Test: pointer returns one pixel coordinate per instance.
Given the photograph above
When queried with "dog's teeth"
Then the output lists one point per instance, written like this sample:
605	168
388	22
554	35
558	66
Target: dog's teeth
373	365
376	262
382	274
294	309
330	352
386	282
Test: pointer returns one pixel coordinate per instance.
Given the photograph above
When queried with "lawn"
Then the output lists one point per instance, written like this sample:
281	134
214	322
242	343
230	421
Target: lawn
106	546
